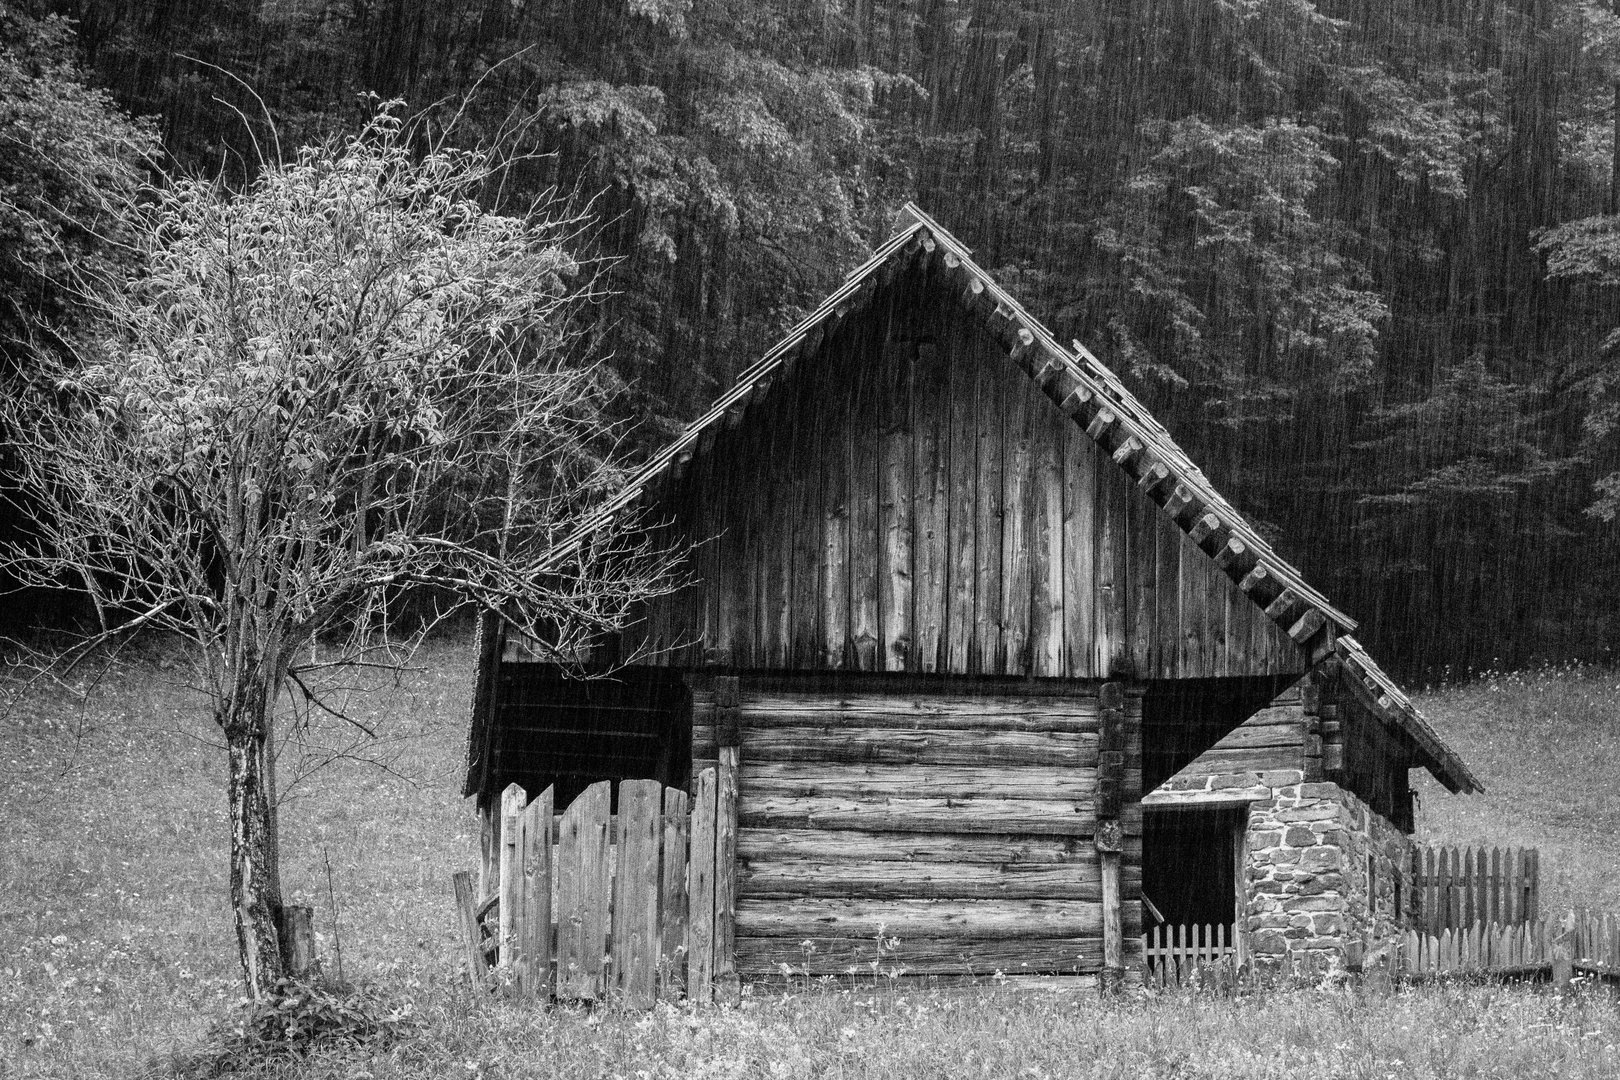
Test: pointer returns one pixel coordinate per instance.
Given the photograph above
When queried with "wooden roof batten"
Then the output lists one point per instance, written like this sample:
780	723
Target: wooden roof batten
1101	405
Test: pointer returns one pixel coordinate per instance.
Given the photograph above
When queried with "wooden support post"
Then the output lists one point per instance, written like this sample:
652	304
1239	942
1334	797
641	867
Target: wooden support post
472	938
1110	831
489	850
728	732
700	894
1310	693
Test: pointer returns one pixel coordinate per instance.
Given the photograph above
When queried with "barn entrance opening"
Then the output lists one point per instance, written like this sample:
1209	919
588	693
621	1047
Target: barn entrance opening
560	730
1192	872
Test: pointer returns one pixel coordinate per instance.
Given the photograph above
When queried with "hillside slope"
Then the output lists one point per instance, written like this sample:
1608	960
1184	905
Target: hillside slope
1546	744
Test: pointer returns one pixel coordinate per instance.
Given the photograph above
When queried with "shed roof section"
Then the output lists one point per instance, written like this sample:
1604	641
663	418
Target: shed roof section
1099	404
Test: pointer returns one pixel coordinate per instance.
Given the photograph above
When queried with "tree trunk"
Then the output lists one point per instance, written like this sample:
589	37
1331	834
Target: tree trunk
255	890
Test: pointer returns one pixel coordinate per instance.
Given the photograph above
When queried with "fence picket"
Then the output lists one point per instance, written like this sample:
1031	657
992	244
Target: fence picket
534	898
583	893
672	905
634	938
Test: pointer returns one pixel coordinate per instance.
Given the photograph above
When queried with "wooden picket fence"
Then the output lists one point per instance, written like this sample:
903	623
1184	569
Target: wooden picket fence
1587	942
1175	953
591	905
1456	888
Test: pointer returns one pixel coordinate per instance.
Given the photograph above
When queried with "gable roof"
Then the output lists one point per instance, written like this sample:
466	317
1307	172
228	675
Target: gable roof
1089	393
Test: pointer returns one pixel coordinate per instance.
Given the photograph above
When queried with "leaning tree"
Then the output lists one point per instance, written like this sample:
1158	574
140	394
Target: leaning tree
345	383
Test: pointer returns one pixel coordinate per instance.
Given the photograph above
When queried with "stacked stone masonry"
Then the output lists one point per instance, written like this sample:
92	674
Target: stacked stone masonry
1324	874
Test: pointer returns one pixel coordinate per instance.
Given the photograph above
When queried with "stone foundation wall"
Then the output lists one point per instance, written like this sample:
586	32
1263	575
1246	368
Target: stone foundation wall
1308	859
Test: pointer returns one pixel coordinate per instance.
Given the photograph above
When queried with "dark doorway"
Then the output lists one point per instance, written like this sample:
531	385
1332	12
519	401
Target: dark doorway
1190	871
551	728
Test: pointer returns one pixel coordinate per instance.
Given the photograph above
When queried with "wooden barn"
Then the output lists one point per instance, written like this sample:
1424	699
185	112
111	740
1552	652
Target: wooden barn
956	604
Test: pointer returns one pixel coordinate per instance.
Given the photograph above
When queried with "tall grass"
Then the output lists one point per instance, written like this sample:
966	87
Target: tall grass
1546	743
117	952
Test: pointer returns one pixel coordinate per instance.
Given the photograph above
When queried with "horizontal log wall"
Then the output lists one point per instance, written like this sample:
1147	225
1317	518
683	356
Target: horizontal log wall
908	500
958	831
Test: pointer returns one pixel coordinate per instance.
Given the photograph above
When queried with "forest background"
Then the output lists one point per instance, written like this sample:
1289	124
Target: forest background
1362	256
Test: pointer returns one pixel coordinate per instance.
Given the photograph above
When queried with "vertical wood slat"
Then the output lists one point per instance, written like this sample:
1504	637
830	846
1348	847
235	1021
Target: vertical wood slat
1047	602
511	869
672	904
1079	554
986	654
862	449
534	906
963	509
806	650
1111	655
1017	418
583	893
634	937
700	892
930	507
837	642
895	507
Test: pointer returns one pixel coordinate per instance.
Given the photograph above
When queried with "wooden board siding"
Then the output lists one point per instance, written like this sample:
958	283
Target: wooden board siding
1271	739
908	501
956	820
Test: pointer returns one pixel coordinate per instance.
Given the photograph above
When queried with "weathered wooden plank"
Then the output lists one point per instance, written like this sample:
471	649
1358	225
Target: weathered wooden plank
920	746
816	954
895	508
784	879
1193	654
964	484
1037	817
837	642
511	872
1112	651
807	648
777	431
811	779
983	920
998	709
862	462
583	891
673	902
930	420
489	849
987	656
1019	415
471	936
1141	544
1046	613
1263	736
700	891
634	937
1079	555
763	844
534	925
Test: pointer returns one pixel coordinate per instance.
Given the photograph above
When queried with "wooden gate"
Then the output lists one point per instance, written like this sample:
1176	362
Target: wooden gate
1174	953
591	904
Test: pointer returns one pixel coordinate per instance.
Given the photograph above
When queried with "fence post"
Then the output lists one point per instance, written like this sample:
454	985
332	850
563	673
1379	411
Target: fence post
582	892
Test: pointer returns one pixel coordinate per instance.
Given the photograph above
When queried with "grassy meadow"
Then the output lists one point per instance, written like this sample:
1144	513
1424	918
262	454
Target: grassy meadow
117	952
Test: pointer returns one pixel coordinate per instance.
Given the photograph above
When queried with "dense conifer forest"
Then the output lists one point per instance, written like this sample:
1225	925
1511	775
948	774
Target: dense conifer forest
1360	256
